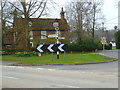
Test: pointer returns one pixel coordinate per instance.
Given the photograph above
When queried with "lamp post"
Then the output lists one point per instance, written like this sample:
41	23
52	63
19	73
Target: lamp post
56	26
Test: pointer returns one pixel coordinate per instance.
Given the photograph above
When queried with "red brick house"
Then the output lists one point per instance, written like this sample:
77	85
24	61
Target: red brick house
41	28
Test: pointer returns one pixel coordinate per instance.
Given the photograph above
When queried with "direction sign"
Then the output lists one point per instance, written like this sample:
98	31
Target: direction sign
52	47
103	40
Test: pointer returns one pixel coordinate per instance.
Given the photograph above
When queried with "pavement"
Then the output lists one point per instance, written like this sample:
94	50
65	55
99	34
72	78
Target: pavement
103	75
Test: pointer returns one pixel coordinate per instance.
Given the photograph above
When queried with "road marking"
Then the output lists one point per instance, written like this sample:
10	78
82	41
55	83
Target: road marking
64	86
10	66
51	69
20	67
10	77
40	68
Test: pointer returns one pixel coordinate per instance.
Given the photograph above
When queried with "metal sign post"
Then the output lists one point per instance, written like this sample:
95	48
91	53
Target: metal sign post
103	49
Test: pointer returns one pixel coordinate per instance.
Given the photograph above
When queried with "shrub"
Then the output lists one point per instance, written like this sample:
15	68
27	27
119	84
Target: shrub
26	54
108	46
100	46
50	40
117	39
83	46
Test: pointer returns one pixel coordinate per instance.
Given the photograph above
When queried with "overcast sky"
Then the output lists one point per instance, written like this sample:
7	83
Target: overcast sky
109	9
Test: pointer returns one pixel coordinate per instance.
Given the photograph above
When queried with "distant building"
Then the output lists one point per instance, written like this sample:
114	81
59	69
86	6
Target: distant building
119	15
40	28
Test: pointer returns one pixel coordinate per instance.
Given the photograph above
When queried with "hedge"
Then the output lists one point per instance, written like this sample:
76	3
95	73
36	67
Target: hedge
84	46
26	54
87	46
108	46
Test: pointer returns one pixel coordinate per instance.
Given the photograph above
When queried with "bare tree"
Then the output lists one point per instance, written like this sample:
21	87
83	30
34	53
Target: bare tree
83	16
23	9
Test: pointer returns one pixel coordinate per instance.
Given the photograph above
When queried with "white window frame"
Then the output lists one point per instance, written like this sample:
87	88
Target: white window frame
43	34
31	43
31	34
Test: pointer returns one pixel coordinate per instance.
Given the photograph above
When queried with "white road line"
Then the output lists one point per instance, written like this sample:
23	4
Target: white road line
40	68
51	69
10	77
10	66
65	86
20	67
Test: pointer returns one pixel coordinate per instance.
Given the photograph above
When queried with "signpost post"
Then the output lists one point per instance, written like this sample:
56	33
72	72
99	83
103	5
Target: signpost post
56	26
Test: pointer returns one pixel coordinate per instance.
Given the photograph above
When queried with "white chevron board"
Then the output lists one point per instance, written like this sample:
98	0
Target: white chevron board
52	47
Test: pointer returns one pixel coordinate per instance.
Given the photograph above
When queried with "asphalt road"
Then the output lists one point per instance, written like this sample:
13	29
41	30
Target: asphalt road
70	76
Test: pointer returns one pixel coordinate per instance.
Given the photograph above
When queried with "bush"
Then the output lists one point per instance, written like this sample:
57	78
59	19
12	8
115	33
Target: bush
108	46
117	39
50	40
100	46
26	54
83	46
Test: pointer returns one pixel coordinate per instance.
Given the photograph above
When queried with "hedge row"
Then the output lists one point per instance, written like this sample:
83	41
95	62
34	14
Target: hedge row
26	54
88	46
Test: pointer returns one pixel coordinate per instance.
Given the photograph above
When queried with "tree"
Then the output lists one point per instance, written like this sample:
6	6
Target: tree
83	16
26	10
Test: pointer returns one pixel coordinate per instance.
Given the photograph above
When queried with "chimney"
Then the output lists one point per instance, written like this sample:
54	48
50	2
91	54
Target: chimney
62	14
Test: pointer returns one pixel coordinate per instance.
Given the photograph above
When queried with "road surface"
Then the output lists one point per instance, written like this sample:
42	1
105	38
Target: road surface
69	76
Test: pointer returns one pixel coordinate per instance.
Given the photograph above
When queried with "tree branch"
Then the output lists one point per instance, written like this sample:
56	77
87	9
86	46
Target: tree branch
36	9
42	9
16	7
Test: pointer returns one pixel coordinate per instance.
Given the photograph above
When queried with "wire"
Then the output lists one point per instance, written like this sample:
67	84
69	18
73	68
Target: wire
112	19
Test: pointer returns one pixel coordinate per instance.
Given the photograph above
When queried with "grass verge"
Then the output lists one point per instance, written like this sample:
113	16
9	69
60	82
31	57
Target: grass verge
64	59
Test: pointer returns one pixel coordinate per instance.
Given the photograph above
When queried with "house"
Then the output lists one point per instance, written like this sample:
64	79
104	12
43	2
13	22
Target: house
40	28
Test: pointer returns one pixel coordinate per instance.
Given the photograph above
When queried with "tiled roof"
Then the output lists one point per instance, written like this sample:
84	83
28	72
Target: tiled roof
47	23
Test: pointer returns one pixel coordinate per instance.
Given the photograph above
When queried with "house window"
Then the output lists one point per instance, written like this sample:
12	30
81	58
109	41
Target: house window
43	35
31	34
30	23
31	44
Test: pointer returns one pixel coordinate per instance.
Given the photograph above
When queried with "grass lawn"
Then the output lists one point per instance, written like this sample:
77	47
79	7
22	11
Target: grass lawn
68	58
113	48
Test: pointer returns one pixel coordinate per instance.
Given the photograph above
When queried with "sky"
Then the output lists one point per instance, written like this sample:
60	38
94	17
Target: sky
109	10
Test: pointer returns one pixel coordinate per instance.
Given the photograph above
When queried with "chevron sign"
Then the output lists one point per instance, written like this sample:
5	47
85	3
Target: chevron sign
52	47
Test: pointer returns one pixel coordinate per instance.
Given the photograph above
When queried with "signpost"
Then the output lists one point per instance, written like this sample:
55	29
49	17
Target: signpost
103	41
54	47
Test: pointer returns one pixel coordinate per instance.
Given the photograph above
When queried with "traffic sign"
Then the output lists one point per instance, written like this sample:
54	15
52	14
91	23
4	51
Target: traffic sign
103	40
52	47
